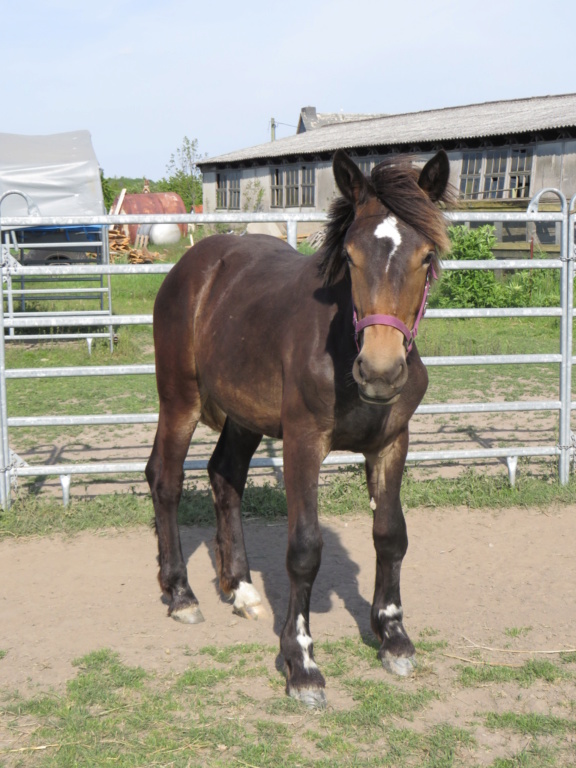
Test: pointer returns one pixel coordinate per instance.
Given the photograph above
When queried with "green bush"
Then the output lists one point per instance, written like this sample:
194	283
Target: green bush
479	288
468	288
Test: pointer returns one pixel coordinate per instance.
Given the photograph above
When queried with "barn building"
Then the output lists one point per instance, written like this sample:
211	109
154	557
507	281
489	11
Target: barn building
501	153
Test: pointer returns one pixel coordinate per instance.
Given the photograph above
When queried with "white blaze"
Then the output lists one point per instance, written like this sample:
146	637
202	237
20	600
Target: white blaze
389	228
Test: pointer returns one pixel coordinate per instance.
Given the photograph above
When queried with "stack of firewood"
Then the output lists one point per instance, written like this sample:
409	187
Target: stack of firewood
120	247
119	243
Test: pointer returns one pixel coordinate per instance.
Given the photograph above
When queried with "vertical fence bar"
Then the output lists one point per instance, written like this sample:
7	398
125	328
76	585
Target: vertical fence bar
292	232
566	304
571	257
4	442
567	295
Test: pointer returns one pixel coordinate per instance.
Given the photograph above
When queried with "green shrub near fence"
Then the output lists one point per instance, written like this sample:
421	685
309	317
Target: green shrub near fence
471	289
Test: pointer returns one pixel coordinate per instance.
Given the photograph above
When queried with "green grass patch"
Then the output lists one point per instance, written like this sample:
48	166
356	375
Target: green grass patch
228	708
534	756
532	724
526	675
35	515
375	702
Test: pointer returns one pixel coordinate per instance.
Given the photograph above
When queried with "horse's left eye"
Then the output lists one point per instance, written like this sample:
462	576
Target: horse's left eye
429	256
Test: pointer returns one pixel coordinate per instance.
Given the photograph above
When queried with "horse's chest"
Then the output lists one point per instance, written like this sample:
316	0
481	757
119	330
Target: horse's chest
362	429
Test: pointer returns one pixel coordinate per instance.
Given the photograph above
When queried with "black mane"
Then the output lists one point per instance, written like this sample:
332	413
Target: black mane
395	183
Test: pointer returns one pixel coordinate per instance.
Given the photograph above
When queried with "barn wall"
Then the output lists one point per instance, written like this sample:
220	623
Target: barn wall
554	165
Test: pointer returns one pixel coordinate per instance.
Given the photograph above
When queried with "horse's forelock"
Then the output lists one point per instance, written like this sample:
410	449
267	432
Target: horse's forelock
395	182
340	217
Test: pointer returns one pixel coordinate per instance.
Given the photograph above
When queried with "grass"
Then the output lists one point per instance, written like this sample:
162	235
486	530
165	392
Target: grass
536	484
345	493
228	708
526	675
38	515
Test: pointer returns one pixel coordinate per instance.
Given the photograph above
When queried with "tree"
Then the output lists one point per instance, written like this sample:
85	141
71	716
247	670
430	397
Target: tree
184	176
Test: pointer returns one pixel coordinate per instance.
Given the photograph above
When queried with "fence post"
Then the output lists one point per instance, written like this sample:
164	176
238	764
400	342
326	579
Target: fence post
570	257
292	232
4	443
567	303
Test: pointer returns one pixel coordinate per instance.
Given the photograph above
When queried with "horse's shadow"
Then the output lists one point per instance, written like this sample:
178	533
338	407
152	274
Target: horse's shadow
266	548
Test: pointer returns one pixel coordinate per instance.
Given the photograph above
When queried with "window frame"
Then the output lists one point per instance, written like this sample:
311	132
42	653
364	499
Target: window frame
293	186
502	173
228	191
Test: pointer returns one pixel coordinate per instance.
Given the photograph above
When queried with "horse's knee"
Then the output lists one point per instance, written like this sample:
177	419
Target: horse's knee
391	542
304	553
152	469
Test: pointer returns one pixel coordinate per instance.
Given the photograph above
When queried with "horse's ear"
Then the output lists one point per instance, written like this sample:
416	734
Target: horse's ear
349	178
434	176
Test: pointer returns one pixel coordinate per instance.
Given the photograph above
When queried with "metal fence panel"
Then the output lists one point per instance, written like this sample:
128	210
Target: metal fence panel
566	218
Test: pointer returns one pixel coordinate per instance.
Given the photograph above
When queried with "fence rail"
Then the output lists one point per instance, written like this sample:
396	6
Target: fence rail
11	467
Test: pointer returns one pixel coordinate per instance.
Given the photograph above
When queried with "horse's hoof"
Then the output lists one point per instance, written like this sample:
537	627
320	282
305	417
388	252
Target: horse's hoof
313	698
253	612
191	614
247	602
399	665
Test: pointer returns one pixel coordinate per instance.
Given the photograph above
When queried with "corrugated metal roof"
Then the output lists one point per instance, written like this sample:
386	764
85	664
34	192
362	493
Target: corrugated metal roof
475	121
310	120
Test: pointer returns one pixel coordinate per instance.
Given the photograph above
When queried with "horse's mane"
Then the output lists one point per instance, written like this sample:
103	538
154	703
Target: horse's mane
395	183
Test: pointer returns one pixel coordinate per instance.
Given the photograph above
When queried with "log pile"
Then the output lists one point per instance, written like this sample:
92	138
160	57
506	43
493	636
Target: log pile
120	248
316	240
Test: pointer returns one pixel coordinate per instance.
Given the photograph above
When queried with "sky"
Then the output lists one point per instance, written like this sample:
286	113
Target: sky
141	75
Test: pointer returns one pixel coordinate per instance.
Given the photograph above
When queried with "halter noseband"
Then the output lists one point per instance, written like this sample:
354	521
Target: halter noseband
410	335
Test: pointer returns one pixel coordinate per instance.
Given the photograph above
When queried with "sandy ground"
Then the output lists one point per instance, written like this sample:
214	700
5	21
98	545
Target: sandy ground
471	575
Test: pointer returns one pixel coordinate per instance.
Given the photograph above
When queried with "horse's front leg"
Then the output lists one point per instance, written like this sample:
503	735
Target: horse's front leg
303	456
384	477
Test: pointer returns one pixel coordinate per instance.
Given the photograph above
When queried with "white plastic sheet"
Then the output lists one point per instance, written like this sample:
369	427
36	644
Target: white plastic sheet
59	172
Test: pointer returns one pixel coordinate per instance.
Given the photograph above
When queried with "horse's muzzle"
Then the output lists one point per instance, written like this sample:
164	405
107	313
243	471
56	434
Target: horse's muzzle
380	383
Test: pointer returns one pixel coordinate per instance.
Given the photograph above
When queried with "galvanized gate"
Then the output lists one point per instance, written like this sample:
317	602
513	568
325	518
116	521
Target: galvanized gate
565	218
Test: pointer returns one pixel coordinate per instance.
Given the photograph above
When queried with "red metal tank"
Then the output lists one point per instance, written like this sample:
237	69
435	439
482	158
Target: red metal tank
151	202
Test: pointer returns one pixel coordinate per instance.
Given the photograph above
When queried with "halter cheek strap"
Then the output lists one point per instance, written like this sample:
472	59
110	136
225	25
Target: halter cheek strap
395	322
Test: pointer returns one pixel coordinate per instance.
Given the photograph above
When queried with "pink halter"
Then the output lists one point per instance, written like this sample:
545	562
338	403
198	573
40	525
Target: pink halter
410	335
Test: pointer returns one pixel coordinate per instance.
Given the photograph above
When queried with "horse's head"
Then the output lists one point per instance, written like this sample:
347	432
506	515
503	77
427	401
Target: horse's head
388	230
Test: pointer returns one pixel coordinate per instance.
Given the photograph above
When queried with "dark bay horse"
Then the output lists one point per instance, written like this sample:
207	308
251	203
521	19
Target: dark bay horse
255	339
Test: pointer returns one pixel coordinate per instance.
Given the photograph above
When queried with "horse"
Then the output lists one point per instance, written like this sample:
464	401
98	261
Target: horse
253	338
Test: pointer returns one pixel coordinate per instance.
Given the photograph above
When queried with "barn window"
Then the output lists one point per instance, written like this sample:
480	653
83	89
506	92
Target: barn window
292	187
277	188
228	191
520	170
308	185
471	175
496	174
221	191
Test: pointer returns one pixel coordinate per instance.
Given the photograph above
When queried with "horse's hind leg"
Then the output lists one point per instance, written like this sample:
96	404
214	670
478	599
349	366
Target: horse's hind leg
164	471
228	470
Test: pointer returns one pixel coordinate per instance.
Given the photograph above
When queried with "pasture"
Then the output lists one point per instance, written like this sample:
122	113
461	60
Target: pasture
93	673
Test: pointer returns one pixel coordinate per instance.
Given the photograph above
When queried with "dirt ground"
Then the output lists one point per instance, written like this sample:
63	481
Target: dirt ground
470	575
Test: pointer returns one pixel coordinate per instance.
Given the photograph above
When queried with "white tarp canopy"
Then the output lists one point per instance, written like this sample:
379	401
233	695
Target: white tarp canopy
60	173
